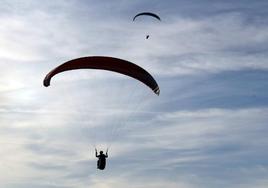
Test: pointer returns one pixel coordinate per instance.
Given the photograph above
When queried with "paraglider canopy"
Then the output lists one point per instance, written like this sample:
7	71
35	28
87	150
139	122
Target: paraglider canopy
147	14
106	63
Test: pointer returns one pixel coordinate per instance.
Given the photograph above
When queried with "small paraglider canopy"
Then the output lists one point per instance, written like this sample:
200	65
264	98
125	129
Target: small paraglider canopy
106	63
147	14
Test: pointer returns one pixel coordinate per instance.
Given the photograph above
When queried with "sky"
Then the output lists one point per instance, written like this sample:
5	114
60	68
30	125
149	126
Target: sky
208	128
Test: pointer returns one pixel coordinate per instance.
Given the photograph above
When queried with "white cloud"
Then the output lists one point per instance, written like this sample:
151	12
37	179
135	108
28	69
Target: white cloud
47	134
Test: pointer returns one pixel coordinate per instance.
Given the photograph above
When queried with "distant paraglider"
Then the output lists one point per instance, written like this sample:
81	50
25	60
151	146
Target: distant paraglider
106	63
147	14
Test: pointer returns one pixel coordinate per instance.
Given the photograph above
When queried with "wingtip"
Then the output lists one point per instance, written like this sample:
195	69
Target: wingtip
46	83
157	91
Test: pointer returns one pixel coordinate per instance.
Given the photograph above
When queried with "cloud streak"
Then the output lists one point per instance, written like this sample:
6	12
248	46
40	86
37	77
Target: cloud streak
206	129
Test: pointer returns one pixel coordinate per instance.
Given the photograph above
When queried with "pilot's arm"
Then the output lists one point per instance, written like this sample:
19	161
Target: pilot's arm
96	153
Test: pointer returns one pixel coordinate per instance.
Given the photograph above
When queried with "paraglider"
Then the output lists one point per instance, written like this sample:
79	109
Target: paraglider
106	63
101	163
147	14
109	64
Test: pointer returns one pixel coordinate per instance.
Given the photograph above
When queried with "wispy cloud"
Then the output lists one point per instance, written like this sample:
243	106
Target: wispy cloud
206	129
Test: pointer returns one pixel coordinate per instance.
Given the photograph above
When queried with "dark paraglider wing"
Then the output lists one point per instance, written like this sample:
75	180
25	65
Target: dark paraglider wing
147	14
106	63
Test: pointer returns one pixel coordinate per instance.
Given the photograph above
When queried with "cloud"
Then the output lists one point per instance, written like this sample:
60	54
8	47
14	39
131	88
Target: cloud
185	45
206	129
181	144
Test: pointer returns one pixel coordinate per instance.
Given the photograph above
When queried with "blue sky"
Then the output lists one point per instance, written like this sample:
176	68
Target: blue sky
208	128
